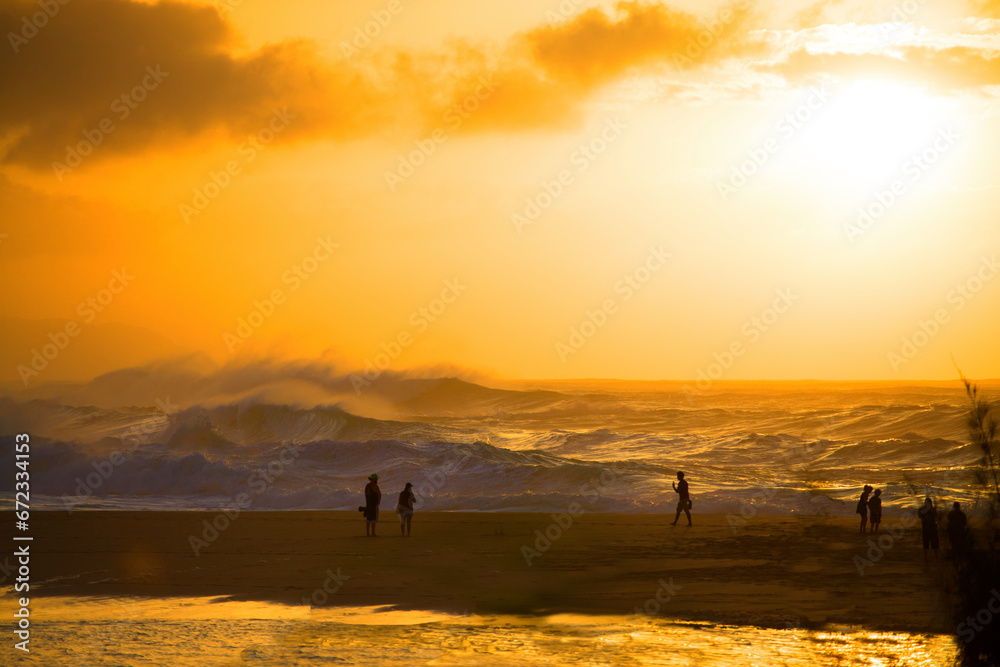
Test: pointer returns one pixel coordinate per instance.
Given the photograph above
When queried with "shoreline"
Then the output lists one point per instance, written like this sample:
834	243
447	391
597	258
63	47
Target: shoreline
774	571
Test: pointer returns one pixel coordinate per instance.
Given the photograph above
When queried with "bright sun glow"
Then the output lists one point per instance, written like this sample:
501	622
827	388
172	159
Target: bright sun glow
866	132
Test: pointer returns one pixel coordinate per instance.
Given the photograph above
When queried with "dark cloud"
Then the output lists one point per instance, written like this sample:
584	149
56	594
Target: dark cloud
71	75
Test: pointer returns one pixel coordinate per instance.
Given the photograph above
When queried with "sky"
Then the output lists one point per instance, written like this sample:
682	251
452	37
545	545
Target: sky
575	189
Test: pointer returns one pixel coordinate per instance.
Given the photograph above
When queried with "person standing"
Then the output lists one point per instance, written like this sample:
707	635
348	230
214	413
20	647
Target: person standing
373	497
683	498
929	530
958	531
862	508
875	510
405	509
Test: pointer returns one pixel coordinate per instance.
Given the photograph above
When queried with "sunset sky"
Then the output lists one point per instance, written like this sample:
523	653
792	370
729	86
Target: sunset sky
631	190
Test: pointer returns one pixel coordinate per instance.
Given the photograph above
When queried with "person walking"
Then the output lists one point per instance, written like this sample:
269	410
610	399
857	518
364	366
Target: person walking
683	498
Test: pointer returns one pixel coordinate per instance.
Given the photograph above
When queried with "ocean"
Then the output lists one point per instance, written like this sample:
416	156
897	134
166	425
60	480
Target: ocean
303	438
299	437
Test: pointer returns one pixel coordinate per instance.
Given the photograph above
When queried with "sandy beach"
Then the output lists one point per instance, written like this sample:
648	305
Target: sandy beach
773	572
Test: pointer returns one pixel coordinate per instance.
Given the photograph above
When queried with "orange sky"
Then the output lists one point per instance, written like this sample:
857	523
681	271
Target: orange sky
529	189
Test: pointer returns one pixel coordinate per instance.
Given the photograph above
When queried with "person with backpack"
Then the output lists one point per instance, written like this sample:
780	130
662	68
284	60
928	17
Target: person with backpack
404	508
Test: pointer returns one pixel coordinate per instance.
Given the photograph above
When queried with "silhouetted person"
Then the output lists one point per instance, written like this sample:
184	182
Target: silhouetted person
958	531
683	499
928	525
875	510
373	497
862	508
405	509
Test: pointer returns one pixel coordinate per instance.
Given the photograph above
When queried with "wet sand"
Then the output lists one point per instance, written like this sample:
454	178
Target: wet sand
772	572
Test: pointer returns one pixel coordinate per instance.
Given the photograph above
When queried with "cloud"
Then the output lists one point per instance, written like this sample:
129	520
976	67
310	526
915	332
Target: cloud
70	77
72	74
945	69
594	49
547	74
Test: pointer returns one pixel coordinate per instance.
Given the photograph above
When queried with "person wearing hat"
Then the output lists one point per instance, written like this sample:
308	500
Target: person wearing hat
875	510
405	509
373	496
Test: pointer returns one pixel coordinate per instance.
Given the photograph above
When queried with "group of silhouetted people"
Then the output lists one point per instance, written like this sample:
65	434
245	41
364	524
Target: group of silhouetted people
373	498
958	529
404	508
870	509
